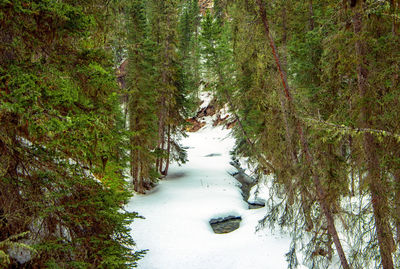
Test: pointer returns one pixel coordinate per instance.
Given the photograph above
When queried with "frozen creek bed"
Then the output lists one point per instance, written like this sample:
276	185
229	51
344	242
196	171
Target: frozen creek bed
176	228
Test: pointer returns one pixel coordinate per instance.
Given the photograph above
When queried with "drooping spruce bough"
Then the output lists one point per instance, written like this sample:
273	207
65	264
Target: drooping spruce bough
315	92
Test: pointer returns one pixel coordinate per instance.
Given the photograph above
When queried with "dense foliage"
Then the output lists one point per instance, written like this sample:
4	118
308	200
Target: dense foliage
313	87
61	139
65	142
161	83
316	97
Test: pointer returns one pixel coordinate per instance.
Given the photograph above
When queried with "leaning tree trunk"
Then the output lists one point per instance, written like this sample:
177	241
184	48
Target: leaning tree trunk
376	182
321	194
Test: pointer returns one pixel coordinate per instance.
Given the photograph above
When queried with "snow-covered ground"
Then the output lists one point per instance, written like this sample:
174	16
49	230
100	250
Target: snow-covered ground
176	228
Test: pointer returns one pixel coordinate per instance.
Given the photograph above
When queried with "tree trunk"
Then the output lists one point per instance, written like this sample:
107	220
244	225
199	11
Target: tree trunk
161	133
311	14
165	172
393	9
397	204
326	209
319	188
376	183
126	101
162	151
134	162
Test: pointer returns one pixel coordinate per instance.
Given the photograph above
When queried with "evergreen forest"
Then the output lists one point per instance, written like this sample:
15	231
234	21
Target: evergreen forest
96	97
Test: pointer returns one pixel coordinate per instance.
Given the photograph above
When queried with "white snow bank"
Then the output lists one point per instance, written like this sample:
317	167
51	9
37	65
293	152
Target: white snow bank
176	229
206	97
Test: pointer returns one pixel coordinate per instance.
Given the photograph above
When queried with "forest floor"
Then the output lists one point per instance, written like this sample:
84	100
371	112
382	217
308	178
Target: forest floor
176	228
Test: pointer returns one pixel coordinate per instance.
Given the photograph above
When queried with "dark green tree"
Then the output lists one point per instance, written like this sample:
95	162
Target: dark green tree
61	141
142	96
171	99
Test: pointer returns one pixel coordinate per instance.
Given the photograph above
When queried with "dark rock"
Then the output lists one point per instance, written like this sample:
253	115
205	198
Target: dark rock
213	155
256	205
225	225
235	163
234	174
246	184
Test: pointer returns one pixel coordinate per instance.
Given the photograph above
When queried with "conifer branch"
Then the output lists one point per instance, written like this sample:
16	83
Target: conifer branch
321	193
326	125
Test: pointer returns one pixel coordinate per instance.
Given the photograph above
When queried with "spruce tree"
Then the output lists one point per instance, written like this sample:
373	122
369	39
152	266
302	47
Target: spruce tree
171	97
334	60
142	96
61	141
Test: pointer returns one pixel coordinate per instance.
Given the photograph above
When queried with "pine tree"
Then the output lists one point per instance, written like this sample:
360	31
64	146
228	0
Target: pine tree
61	189
171	102
141	99
189	54
332	69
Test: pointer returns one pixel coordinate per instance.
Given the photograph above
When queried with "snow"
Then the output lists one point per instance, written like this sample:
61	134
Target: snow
246	166
206	97
259	194
176	228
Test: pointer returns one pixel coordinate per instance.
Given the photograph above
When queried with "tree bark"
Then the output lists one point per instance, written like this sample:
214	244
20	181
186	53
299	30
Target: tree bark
375	180
161	133
319	188
311	14
126	101
162	151
393	9
134	161
397	204
165	172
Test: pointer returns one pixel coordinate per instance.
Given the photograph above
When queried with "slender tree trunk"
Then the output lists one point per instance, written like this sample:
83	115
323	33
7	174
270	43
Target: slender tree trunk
376	183
139	176
157	163
311	14
162	146
397	204
165	172
319	188
164	113
282	72
134	172
378	190
286	109
161	133
326	209
352	177
393	9
126	100
134	162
